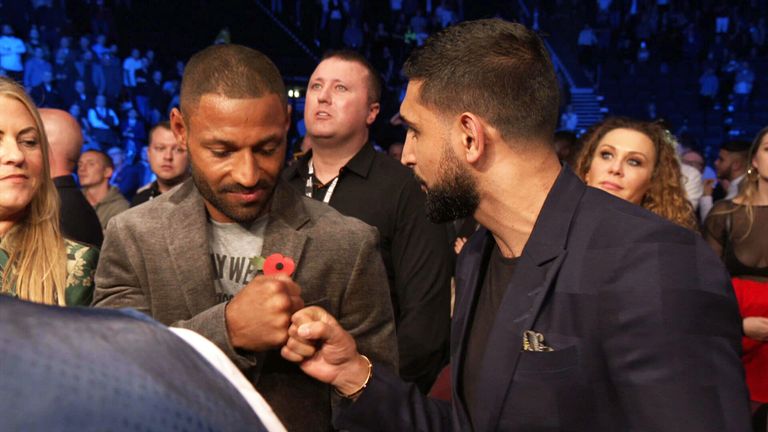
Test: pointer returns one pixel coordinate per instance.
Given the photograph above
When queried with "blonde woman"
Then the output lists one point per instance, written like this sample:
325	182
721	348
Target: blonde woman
636	161
738	231
37	263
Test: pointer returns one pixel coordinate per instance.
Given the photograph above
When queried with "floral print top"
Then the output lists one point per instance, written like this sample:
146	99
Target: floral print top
81	267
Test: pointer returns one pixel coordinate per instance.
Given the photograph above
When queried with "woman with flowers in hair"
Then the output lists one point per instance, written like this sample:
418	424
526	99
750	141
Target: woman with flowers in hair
738	231
37	263
636	161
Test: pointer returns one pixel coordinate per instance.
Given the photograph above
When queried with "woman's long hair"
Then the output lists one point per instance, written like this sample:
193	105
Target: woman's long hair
37	265
749	186
666	196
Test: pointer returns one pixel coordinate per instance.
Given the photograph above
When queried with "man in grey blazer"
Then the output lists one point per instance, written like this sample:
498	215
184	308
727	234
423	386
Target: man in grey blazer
191	257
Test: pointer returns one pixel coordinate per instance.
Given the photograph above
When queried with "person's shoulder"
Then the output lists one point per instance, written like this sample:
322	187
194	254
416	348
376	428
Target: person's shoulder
396	171
327	221
154	212
614	222
81	252
723	205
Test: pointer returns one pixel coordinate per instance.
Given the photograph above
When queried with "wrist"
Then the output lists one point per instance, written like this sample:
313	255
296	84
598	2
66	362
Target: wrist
352	382
229	324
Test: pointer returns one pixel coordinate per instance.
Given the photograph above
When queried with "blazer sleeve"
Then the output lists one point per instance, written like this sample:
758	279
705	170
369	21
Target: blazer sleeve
122	282
671	335
366	309
389	404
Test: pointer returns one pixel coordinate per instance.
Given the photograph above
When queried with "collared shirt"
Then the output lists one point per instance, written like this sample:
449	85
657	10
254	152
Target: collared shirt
381	192
147	193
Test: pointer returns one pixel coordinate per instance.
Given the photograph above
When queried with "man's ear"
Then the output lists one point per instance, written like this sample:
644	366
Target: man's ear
108	172
472	137
373	111
179	128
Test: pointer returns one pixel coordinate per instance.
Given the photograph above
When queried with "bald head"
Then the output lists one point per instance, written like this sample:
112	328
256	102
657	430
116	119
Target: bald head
65	140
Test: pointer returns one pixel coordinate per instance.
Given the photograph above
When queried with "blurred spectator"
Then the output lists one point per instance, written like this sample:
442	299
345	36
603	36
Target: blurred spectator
708	88
130	65
742	86
78	113
444	14
35	67
46	94
11	49
353	34
694	159
100	47
396	151
83	70
80	97
112	75
567	146
569	120
127	175
731	166
586	47
33	42
103	122
94	170
133	128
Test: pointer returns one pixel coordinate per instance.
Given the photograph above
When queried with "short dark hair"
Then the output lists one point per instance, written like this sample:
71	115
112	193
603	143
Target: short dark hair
498	70
736	146
374	79
234	71
104	156
165	124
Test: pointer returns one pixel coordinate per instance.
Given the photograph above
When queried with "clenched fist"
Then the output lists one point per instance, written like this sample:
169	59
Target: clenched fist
259	315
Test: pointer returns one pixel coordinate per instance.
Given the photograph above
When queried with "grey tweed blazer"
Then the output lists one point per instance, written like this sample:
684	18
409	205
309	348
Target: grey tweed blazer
156	258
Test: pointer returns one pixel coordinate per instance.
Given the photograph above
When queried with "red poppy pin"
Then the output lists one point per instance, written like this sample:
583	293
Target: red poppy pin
274	264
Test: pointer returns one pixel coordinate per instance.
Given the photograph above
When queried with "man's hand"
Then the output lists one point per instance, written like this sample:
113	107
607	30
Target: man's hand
709	187
756	328
259	315
325	351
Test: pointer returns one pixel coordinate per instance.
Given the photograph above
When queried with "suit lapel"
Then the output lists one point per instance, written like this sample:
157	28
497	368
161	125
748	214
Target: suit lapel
505	341
536	273
187	235
286	216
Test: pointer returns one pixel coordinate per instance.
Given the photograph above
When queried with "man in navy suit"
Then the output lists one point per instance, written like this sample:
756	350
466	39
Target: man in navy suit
574	310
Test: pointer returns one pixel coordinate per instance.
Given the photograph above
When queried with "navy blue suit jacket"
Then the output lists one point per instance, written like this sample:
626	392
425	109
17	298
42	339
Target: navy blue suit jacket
641	315
79	369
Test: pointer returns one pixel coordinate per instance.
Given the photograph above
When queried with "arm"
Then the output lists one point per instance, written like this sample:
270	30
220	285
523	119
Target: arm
366	309
422	262
250	322
714	231
328	353
95	121
671	336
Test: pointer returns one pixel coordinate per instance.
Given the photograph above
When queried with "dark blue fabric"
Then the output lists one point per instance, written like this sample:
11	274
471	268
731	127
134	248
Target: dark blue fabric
641	315
82	369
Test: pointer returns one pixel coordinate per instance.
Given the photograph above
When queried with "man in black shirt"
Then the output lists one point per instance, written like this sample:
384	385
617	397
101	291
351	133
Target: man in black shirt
78	219
344	170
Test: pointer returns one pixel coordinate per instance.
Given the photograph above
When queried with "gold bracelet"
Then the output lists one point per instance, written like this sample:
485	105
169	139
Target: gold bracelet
357	392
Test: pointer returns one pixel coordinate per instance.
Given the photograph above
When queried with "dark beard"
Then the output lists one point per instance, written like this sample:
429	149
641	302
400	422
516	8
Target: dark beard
240	214
455	194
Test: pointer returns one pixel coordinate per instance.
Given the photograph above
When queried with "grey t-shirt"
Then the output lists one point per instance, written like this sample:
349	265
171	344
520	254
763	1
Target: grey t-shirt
232	247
